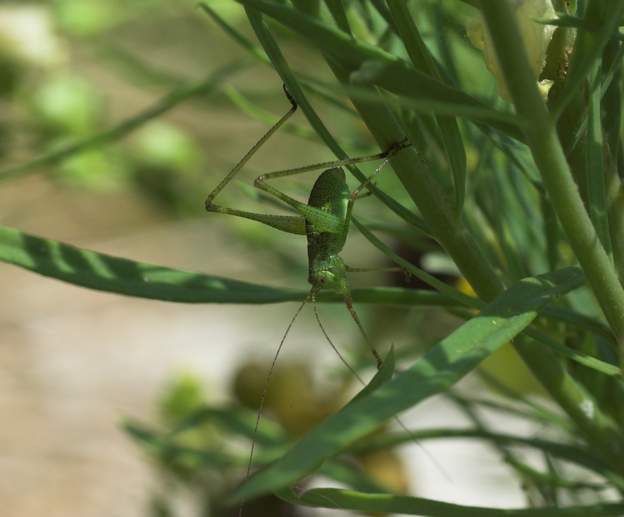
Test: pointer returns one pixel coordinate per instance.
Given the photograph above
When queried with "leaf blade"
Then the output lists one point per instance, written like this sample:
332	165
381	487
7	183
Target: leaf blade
435	372
104	272
405	505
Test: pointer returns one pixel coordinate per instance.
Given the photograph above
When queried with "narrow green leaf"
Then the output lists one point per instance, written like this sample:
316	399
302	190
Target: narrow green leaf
123	276
589	46
580	357
574	355
381	8
236	35
612	98
424	61
386	503
440	368
348	473
553	312
118	275
532	411
216	458
422	103
596	172
382	376
616	217
399	78
443	288
234	420
575	454
258	54
339	14
133	66
334	41
255	111
352	55
341	471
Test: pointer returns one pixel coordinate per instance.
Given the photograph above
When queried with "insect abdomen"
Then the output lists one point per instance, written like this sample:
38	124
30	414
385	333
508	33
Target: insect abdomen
331	195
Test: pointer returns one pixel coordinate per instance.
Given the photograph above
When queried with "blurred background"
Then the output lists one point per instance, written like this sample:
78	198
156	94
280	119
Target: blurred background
76	364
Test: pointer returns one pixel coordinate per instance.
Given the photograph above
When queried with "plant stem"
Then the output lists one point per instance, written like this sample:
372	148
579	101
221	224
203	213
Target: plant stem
550	159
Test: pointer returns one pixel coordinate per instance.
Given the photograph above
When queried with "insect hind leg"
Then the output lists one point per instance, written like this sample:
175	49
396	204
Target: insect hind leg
254	148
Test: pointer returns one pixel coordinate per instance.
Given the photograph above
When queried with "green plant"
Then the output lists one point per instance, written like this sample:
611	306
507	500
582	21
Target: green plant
534	225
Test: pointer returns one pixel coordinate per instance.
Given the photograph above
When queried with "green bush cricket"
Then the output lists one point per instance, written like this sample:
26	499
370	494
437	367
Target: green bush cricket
325	221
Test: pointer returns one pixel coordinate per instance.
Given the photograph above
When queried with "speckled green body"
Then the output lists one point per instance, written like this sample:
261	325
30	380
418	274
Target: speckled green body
330	194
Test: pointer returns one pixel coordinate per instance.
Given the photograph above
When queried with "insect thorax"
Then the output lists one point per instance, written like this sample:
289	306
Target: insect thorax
328	272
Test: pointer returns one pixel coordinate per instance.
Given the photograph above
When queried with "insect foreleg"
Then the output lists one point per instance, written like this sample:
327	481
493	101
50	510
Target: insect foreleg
289	224
356	194
230	175
323	221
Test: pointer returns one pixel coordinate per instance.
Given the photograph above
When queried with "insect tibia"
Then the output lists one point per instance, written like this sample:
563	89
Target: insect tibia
292	100
208	203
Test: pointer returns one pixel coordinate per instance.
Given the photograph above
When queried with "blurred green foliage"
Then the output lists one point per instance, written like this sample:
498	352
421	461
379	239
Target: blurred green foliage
67	105
61	102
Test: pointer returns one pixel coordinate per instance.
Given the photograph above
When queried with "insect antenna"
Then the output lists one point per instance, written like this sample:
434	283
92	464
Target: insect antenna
408	432
265	390
334	347
355	317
